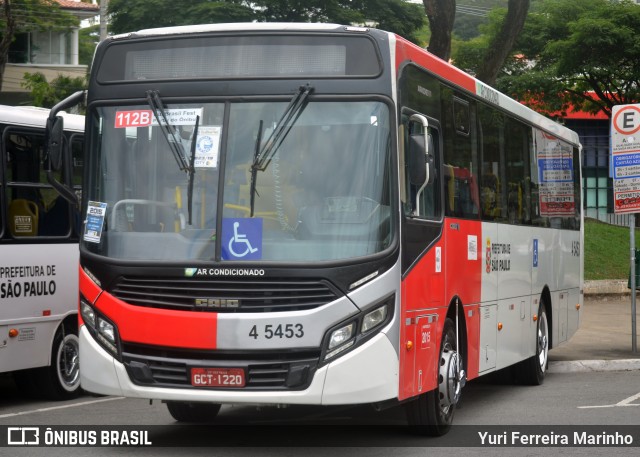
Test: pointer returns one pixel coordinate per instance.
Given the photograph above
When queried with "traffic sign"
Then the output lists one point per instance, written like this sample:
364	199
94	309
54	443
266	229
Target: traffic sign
625	158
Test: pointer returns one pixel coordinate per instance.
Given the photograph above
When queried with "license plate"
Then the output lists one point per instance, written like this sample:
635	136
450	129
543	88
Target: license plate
217	377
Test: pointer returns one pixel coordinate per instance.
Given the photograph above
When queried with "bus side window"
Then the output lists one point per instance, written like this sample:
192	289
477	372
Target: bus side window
24	201
460	158
33	206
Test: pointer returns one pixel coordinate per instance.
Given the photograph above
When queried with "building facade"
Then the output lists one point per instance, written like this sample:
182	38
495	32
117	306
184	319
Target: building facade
49	52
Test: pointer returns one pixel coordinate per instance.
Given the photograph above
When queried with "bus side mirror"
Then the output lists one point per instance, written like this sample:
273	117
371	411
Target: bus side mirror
55	138
56	157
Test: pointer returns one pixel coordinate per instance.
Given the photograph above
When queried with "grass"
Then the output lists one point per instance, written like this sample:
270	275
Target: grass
606	250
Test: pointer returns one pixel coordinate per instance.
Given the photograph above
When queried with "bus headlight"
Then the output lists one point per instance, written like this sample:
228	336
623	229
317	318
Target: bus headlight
348	335
374	318
340	340
87	313
100	328
106	332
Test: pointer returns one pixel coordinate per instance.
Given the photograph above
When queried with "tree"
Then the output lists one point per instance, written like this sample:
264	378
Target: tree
47	94
502	43
88	39
26	16
394	15
471	15
441	15
579	53
7	37
128	16
487	55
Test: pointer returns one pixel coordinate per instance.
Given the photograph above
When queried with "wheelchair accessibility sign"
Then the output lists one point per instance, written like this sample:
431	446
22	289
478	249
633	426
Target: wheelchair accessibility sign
241	239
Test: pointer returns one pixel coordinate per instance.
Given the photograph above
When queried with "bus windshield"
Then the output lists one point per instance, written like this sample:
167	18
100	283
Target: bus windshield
324	195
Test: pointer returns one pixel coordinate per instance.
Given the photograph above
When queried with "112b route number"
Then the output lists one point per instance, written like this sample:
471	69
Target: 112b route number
137	118
270	331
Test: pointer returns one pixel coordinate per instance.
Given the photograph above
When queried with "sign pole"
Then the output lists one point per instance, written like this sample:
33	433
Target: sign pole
625	163
632	238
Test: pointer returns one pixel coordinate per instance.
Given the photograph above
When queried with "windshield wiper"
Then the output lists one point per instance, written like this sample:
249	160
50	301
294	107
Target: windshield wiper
192	169
263	155
169	131
175	144
297	104
254	170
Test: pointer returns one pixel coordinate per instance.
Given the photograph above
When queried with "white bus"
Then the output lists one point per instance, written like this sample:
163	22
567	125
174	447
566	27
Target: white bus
38	256
317	214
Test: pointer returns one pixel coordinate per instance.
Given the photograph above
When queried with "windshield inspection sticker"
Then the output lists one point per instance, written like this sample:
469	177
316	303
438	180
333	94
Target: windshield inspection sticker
207	146
241	239
94	221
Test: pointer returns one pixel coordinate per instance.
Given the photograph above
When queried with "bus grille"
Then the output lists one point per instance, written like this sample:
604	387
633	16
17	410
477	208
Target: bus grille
223	295
290	374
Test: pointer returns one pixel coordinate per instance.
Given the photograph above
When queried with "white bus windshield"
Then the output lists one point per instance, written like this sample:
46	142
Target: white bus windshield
324	195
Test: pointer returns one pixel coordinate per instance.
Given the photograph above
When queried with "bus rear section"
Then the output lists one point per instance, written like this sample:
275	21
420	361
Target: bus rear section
265	228
38	253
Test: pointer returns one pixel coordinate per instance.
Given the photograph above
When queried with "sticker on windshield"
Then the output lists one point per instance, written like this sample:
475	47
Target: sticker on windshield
241	239
94	221
207	146
145	117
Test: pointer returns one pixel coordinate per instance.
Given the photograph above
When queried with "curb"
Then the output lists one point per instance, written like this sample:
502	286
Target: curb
588	366
606	287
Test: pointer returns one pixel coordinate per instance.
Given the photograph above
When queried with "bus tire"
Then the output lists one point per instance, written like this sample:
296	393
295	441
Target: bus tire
61	379
431	413
532	371
183	411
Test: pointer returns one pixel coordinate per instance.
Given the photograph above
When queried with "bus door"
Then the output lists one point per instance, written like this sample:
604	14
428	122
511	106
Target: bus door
423	284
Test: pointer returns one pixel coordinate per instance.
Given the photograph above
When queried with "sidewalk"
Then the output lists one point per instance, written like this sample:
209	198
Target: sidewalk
603	341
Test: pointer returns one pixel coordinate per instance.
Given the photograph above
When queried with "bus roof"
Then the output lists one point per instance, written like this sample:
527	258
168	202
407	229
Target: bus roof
31	116
245	26
422	57
451	73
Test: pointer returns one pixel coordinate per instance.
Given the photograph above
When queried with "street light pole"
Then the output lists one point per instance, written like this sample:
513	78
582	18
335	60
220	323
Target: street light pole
103	19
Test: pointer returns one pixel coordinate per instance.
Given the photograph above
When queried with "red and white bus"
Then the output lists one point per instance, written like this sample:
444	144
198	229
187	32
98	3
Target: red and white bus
317	214
38	256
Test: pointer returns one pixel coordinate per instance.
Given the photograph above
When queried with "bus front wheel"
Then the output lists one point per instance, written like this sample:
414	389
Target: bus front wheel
432	412
61	379
183	411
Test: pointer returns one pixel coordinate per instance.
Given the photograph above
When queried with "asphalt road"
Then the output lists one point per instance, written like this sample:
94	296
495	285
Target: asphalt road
583	403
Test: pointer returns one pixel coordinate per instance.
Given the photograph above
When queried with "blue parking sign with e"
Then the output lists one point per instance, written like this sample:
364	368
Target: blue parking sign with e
241	239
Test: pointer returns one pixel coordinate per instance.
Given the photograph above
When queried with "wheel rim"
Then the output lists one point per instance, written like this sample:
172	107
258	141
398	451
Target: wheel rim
542	349
449	387
68	363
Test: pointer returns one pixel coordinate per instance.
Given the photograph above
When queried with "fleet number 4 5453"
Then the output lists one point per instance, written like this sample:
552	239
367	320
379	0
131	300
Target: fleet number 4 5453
270	331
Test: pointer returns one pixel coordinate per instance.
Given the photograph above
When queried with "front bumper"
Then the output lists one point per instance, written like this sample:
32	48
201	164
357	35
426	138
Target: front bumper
367	374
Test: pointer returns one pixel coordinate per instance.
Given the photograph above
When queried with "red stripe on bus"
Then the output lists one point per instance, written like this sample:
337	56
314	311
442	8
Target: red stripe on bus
451	268
160	327
407	51
88	288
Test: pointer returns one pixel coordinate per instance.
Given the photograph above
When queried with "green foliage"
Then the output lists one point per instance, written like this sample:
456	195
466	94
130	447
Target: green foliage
31	15
469	54
88	39
128	16
47	94
580	53
470	17
396	16
606	250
